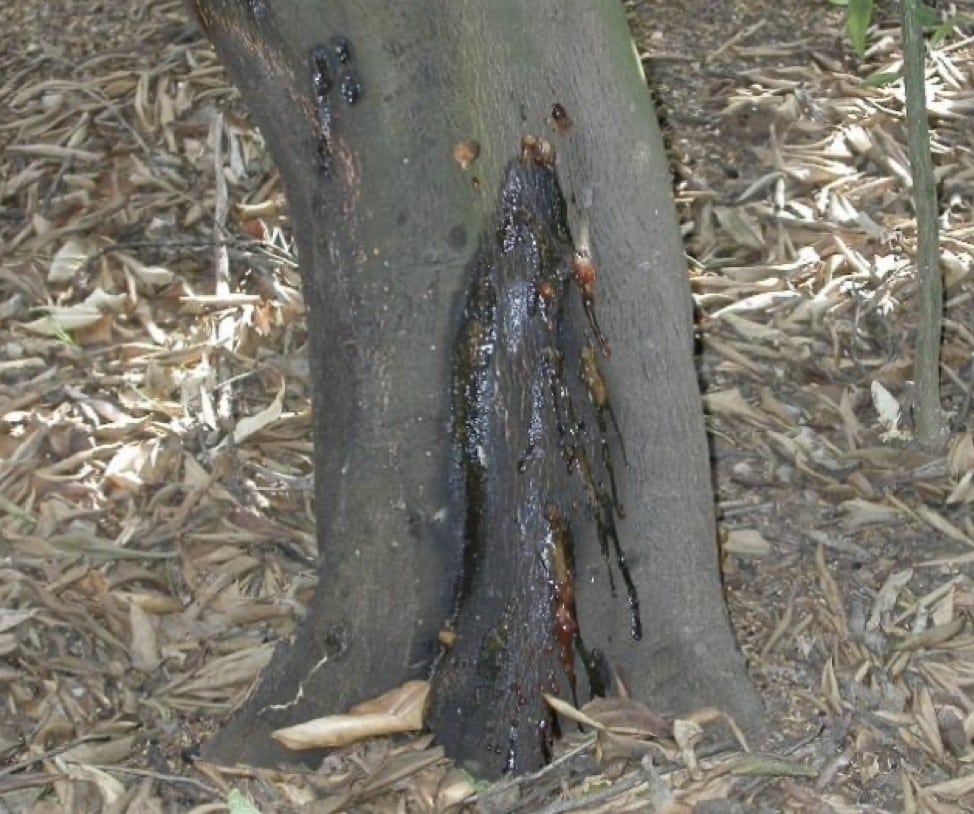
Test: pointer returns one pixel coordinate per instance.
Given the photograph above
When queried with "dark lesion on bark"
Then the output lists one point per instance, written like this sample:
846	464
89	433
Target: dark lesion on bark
534	456
332	67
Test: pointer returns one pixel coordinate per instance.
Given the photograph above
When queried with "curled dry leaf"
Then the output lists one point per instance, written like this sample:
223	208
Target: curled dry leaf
400	710
687	734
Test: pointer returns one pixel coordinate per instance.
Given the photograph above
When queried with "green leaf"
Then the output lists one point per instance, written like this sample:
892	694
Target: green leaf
240	803
948	27
928	16
857	18
880	78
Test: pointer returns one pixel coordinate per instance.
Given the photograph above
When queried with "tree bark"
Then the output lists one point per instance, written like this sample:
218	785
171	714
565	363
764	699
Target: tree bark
398	132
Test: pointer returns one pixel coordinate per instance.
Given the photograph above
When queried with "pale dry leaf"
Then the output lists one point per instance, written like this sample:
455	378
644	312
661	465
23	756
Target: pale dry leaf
829	688
109	788
59	320
10	618
735	356
763	303
858	513
150	275
625	714
69	259
888	411
144	646
931	638
612	746
851	427
787	414
963	491
106	303
885	600
454	789
711	715
687	734
400	710
960	454
248	425
746	543
830	590
124	470
942	607
956	788
570	712
956	268
937	521
909	794
114	751
743	228
731	403
752	331
926	718
224	672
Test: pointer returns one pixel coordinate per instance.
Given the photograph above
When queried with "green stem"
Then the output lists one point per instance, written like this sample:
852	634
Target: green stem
926	365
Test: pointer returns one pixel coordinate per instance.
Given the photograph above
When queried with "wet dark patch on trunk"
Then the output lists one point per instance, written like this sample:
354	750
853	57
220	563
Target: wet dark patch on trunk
531	421
331	64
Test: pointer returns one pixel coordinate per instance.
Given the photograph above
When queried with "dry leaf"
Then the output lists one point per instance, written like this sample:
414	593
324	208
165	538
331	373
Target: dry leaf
960	454
144	646
963	492
885	600
888	411
69	259
248	425
746	543
400	710
568	711
859	513
627	715
731	403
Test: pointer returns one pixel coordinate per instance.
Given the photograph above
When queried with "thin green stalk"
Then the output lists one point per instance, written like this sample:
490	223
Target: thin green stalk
930	427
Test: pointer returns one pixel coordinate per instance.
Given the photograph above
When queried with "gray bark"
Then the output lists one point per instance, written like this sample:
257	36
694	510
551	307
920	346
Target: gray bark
387	227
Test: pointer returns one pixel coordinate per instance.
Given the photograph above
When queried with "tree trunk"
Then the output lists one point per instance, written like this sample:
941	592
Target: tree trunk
474	434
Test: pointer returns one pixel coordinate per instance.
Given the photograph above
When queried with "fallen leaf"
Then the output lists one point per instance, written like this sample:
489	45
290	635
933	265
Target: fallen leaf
746	543
400	710
69	259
